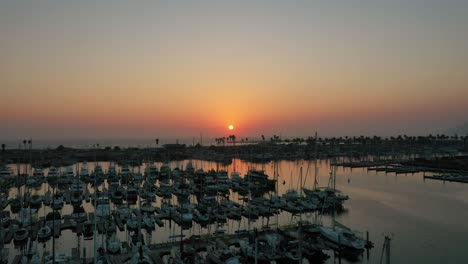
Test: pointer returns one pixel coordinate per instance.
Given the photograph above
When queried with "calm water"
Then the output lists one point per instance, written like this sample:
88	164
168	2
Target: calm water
427	219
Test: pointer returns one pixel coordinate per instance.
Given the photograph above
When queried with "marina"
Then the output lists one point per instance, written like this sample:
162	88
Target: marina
161	211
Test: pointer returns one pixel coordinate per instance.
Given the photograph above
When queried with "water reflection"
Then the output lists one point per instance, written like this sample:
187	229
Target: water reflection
426	218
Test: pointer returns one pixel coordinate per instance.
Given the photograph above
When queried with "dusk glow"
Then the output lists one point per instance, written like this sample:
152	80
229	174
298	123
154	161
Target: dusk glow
113	69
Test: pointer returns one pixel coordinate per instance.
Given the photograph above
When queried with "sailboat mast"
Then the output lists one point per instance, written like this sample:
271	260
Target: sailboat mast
300	224
315	163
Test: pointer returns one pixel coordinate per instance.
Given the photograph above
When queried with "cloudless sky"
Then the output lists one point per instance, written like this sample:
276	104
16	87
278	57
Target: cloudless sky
181	68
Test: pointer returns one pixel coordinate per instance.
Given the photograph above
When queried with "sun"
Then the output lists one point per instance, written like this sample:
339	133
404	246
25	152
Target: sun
231	127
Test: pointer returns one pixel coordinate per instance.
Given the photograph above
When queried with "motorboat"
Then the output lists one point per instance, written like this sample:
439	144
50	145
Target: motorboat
44	233
57	201
79	215
53	174
57	259
20	234
103	207
113	244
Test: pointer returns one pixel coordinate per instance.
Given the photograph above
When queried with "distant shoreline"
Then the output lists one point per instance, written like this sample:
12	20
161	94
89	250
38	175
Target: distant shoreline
259	152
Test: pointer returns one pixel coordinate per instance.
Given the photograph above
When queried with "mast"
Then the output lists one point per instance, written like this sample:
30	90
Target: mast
53	227
315	163
277	197
95	219
300	225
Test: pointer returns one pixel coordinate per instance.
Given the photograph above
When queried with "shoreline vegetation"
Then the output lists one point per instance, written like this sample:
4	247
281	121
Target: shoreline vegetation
443	151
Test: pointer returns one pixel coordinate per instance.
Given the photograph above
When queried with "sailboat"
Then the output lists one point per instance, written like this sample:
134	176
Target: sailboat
342	235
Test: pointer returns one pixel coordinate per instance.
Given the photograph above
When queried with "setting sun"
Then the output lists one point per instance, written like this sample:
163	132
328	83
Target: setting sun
231	127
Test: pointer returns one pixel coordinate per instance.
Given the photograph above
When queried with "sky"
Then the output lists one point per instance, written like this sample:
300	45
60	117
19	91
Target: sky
110	69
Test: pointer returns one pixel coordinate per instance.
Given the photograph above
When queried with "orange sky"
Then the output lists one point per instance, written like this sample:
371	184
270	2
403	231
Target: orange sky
174	70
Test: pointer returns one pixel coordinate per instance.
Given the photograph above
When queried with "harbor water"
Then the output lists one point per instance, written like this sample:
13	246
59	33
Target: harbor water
426	220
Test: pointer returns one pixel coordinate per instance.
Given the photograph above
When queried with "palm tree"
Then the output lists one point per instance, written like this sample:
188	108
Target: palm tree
263	137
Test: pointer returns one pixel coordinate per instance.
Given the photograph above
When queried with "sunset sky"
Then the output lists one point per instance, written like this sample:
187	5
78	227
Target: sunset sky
83	69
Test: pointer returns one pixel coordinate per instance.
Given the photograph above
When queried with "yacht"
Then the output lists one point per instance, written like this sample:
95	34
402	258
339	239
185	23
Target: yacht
20	234
79	215
102	207
53	174
84	172
113	244
57	201
342	235
44	233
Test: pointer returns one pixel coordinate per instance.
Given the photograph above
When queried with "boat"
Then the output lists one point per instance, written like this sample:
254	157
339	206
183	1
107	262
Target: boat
84	172
57	201
132	195
44	233
52	175
98	173
77	186
5	218
125	175
79	215
221	254
27	217
148	221
113	244
164	171
124	212
102	207
53	219
35	200
30	258
151	171
15	205
342	235
47	199
117	196
147	208
88	230
58	259
140	256
66	178
76	198
20	234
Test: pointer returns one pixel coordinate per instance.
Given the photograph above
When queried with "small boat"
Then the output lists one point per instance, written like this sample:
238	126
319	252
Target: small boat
27	217
52	175
147	208
117	196
47	199
102	207
5	218
220	254
20	234
124	212
15	205
79	214
54	219
132	223
113	244
88	230
44	233
76	199
35	201
57	201
148	221
58	259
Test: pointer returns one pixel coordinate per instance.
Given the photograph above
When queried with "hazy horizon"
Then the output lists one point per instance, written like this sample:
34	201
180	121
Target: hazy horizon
120	69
